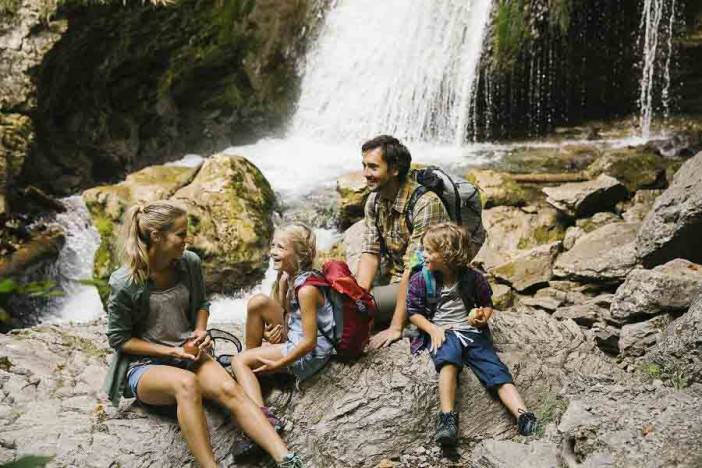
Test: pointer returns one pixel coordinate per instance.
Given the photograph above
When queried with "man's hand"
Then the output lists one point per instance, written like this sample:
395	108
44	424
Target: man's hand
479	316
384	338
438	336
273	333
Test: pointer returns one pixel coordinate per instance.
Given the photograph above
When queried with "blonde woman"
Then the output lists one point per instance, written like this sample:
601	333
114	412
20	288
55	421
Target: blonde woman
157	302
296	320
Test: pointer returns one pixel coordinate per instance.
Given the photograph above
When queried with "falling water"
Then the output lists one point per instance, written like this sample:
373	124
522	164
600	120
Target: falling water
393	66
656	59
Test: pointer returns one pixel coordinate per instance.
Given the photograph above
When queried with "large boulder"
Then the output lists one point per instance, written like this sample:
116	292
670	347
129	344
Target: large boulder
641	204
666	288
637	168
585	225
530	269
679	349
674	226
497	188
353	192
582	199
229	213
229	206
511	231
604	255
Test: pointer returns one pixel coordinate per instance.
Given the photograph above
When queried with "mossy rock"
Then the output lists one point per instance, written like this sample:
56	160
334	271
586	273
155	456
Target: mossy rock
550	160
499	188
636	168
353	193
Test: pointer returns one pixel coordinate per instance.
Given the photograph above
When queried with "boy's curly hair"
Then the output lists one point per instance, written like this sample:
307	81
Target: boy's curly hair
452	241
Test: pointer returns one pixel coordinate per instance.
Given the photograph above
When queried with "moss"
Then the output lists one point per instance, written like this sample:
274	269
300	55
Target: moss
542	235
105	257
550	411
634	168
9	7
510	33
83	344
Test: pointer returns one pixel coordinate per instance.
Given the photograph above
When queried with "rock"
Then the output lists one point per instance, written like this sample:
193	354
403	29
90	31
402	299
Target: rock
502	296
637	168
353	192
497	188
503	453
606	337
530	269
636	338
16	137
572	234
582	199
549	160
353	240
605	254
585	225
679	349
641	205
230	204
41	249
666	288
674	226
511	230
582	314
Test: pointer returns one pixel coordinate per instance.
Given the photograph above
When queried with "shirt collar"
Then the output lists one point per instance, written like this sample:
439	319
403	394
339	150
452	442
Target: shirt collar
403	196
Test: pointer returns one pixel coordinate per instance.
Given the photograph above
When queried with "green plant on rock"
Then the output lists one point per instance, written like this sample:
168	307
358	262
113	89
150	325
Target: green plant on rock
510	31
551	409
28	461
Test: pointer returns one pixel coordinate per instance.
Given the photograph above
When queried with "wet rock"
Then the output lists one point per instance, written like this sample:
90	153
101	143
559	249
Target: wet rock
16	137
353	192
636	338
637	168
605	254
529	269
666	288
679	349
497	188
582	199
674	226
42	248
640	205
229	204
512	230
504	453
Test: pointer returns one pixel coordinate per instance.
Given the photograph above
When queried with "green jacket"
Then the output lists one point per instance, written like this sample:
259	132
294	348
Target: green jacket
128	305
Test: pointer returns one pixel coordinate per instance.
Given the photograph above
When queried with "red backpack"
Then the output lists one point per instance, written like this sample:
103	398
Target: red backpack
354	308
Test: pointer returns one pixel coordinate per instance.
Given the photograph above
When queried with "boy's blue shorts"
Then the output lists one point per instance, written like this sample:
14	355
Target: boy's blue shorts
480	355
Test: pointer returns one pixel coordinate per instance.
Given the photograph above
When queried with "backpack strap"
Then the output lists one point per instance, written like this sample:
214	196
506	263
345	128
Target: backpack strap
381	239
409	214
317	279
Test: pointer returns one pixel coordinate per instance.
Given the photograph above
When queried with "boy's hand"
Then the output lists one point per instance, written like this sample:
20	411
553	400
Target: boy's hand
479	316
438	336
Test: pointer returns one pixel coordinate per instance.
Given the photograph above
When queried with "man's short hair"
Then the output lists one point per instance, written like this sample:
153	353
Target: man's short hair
395	153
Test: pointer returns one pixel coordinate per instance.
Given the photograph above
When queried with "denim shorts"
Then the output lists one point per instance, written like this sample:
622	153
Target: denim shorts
307	365
135	373
479	354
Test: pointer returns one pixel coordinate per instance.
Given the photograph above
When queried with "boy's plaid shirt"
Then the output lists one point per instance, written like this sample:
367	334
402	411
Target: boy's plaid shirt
392	220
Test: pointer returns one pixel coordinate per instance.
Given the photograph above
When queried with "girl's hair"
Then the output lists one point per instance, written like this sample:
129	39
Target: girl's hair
140	222
302	241
452	242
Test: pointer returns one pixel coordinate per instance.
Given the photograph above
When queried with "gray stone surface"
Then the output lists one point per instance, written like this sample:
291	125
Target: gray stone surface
641	205
504	454
582	199
582	314
673	228
353	239
636	338
605	254
531	268
666	288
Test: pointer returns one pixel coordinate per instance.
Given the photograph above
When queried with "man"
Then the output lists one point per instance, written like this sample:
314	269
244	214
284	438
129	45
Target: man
386	163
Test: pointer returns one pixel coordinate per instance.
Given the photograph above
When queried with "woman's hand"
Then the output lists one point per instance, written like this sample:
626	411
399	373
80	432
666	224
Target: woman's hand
179	353
269	365
479	316
202	339
438	336
273	333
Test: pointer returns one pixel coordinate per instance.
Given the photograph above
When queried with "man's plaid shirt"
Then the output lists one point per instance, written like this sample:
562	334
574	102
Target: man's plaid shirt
392	221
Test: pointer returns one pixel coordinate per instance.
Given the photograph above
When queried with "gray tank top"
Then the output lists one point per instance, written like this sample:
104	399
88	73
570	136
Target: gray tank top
167	322
325	321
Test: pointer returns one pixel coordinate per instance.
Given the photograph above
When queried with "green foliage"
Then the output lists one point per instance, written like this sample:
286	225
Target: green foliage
673	375
28	461
9	7
560	12
551	410
38	289
510	31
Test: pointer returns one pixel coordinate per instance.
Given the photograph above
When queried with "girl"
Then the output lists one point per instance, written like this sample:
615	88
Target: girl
157	301
296	320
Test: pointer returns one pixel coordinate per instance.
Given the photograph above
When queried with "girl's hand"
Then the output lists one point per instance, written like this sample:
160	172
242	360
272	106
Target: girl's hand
202	339
179	353
269	365
273	333
438	336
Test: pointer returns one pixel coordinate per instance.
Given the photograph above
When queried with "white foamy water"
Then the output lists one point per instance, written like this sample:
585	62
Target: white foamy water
393	66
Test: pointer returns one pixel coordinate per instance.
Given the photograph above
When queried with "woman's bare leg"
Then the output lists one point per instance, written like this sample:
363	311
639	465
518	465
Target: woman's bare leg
244	363
217	385
261	310
166	385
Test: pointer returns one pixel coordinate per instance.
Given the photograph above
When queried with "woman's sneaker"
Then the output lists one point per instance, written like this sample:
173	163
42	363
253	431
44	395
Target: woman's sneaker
526	423
447	429
291	460
277	423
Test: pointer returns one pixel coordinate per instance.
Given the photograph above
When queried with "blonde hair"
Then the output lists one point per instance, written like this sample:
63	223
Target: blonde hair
140	222
452	242
303	243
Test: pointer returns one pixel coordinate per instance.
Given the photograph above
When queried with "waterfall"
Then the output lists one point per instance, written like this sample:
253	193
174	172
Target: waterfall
394	66
657	43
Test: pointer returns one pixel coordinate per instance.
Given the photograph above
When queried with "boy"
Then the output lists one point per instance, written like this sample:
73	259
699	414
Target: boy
451	304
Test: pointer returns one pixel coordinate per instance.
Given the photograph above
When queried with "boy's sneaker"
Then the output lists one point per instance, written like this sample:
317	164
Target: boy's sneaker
291	460
447	429
277	423
526	423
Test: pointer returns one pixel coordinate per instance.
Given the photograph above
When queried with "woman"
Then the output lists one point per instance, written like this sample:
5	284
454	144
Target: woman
296	320
157	301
